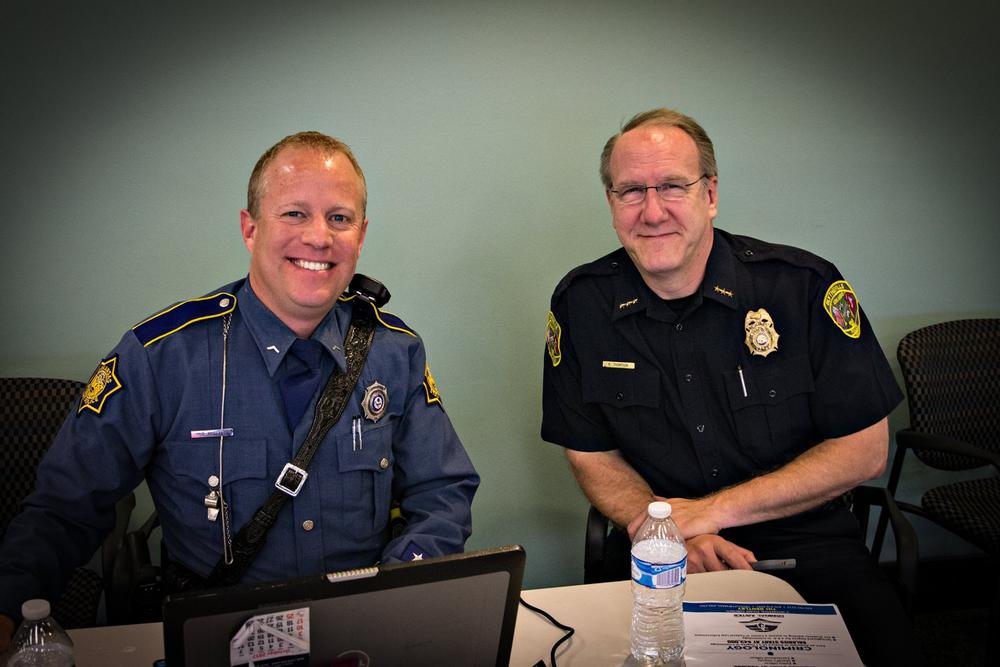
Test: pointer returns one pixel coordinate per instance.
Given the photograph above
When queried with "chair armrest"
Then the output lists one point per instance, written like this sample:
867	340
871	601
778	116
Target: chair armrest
593	548
113	542
907	548
912	439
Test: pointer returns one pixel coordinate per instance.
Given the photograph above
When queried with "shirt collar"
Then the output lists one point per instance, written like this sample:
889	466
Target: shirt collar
274	338
720	281
632	295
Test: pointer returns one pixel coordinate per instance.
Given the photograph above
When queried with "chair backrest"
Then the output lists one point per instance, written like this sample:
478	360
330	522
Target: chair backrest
952	376
31	412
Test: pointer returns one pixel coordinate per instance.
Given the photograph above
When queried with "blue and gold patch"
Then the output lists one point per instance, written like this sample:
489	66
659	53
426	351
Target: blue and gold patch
103	383
841	304
178	316
430	387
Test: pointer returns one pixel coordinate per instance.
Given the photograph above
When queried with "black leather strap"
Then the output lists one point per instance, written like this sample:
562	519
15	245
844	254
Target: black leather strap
329	407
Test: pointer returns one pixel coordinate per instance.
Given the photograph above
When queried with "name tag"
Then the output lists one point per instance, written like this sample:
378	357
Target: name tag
213	433
628	365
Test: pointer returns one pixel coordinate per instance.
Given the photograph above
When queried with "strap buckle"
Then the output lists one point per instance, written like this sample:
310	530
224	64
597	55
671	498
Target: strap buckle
291	479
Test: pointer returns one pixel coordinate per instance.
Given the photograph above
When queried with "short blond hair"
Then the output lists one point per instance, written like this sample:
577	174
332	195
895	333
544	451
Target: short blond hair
308	139
663	117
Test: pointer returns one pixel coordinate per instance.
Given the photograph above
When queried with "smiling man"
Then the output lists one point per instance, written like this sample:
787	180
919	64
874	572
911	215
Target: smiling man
214	402
718	372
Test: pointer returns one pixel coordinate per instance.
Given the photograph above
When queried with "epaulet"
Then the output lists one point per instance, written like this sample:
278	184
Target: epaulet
182	314
608	265
384	317
748	250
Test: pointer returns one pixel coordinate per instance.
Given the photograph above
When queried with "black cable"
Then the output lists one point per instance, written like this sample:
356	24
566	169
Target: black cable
569	631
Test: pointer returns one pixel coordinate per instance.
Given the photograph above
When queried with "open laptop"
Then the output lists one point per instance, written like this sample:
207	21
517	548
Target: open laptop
452	610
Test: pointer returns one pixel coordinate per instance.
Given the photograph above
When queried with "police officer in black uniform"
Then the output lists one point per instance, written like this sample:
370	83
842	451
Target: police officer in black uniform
737	379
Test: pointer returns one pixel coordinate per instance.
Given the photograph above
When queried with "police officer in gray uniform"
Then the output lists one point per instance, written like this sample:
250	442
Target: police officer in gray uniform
737	379
211	399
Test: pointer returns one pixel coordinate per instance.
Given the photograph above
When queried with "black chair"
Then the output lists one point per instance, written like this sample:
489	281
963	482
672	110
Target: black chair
31	412
952	375
606	550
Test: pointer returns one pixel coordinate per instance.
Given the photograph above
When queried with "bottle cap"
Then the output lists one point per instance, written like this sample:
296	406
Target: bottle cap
659	509
34	610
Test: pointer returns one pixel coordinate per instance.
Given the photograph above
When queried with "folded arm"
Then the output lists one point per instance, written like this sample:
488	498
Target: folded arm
822	473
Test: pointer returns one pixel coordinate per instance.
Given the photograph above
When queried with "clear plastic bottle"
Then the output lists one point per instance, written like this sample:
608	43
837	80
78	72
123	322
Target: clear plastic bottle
659	570
40	641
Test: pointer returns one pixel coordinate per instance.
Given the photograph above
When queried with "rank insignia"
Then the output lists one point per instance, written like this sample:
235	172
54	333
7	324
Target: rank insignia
102	384
430	387
374	401
553	336
841	304
762	338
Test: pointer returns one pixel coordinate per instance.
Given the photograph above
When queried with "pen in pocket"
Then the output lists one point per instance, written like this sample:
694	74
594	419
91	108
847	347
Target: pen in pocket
356	441
739	369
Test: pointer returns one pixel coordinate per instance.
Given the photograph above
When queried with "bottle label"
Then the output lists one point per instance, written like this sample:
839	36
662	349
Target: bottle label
659	575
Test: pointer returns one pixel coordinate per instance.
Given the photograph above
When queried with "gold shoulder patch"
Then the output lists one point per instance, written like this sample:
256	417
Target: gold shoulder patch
841	304
103	383
553	339
430	387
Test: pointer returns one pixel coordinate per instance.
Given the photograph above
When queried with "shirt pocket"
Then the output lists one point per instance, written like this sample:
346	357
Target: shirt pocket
628	397
364	481
244	468
773	419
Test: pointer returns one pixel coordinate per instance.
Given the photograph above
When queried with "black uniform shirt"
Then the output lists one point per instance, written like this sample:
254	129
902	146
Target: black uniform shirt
677	389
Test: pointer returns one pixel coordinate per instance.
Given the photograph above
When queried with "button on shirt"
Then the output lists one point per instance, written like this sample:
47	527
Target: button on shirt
677	408
174	386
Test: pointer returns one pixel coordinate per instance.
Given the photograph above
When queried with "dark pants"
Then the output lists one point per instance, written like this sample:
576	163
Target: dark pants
833	566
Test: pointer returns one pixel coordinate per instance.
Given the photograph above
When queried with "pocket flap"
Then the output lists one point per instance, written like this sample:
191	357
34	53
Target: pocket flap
622	387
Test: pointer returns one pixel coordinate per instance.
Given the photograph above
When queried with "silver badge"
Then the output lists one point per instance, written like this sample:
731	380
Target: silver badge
375	401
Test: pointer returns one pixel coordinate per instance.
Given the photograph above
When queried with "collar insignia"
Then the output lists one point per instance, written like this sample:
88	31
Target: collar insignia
626	304
374	401
430	387
553	336
841	304
103	383
762	337
723	292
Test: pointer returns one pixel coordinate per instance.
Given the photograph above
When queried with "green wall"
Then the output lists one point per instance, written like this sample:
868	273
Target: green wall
866	134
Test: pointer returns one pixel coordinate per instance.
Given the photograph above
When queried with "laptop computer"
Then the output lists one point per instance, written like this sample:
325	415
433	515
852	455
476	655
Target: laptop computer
452	610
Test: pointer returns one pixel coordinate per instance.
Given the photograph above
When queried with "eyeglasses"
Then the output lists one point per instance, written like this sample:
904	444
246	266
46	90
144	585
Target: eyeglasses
670	192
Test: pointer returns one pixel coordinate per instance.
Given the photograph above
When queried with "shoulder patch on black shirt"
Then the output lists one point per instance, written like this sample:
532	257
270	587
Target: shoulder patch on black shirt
180	315
841	304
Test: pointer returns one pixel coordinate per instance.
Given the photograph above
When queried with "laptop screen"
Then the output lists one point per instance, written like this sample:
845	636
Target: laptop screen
456	610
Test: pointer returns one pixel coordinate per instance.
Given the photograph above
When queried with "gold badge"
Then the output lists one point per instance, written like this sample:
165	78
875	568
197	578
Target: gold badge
374	401
762	338
102	384
430	387
553	336
841	304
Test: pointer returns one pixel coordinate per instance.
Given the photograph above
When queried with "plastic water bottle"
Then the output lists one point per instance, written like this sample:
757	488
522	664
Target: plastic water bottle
40	642
659	569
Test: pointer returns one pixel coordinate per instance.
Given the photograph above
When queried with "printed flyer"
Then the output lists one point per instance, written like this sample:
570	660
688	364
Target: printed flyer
766	634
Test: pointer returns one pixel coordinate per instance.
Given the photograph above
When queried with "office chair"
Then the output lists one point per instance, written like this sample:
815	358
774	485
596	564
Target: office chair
952	375
607	549
31	412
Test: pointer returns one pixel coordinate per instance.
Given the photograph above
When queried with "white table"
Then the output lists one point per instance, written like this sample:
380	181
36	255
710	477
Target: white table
601	614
